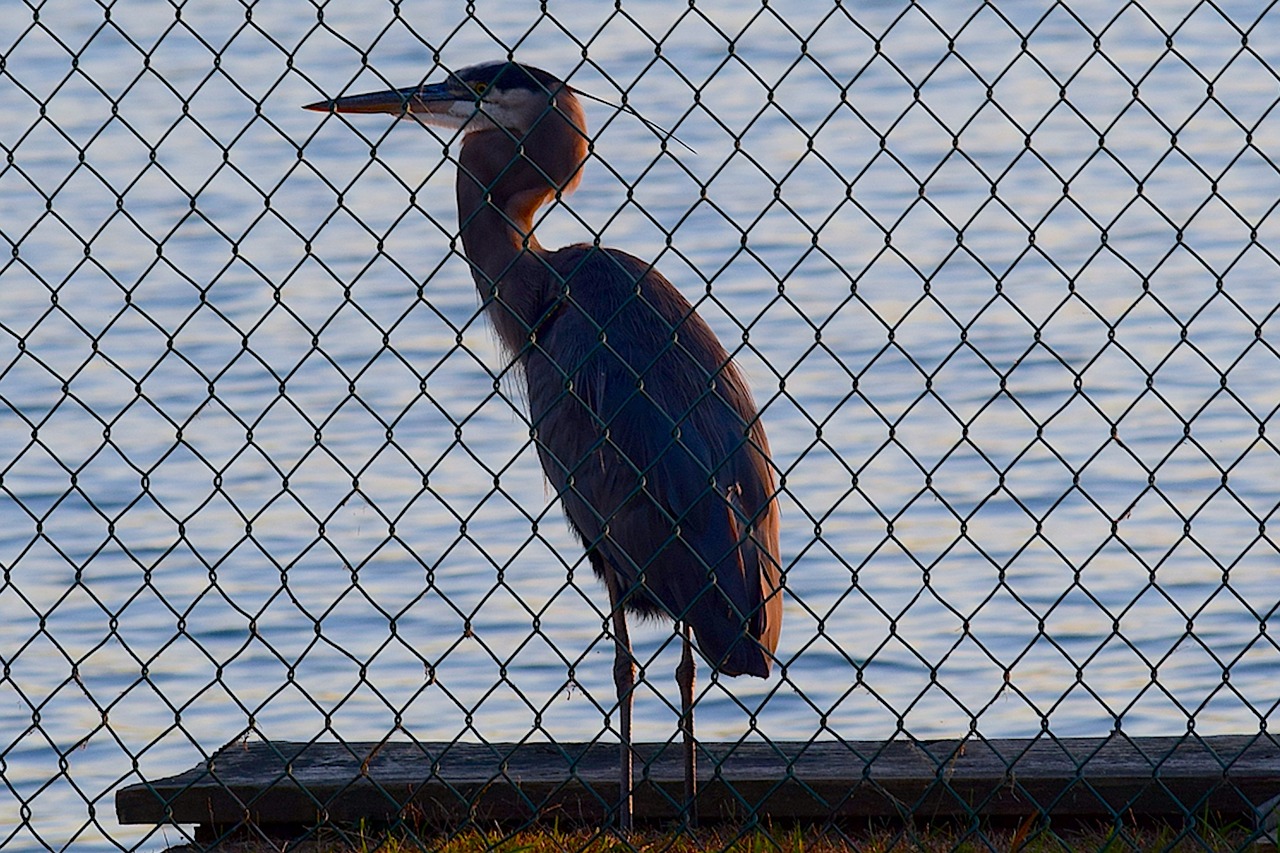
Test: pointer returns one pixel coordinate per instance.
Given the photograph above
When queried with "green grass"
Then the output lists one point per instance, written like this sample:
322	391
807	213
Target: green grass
1029	837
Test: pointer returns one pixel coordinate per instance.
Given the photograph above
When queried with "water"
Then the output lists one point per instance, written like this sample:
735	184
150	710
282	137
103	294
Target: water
260	474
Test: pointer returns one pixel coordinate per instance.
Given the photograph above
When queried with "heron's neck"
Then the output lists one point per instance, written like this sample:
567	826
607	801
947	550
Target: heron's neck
498	195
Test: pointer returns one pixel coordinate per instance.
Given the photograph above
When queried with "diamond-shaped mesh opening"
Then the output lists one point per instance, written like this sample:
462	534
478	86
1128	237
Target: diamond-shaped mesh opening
1001	280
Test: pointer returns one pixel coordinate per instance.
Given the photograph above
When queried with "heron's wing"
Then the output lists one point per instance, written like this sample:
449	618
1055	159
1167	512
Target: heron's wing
648	436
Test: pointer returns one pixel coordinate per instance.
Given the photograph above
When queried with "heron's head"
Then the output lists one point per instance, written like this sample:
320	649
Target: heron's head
529	108
505	95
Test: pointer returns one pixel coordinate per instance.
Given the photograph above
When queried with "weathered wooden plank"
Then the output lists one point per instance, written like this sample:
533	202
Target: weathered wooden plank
287	783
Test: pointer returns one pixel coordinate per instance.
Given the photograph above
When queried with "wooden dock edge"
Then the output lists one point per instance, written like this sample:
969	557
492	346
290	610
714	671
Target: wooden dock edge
290	784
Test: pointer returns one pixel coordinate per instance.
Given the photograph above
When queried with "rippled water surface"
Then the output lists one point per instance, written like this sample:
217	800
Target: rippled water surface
1011	330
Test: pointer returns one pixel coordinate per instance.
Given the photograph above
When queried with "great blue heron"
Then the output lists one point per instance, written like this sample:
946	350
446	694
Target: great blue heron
646	430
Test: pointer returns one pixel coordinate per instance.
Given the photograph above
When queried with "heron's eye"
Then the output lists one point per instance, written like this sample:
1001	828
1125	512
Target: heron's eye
479	87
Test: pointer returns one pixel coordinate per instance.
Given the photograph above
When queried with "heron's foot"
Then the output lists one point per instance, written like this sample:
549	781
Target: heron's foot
685	676
625	783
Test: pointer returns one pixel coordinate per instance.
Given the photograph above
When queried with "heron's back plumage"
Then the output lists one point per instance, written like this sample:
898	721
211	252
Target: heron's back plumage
649	437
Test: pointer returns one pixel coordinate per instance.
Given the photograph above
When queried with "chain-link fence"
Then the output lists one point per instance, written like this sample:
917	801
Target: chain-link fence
1001	276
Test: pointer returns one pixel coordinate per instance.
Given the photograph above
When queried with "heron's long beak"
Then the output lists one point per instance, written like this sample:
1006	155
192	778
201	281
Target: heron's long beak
427	98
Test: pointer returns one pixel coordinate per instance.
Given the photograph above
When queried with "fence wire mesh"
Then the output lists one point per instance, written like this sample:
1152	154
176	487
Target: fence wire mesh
1001	275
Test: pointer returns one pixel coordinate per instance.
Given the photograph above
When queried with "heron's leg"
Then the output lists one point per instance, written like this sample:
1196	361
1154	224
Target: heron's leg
624	679
685	674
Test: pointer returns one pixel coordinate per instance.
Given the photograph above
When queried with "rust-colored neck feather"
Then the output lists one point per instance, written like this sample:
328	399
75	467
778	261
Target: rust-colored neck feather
503	178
